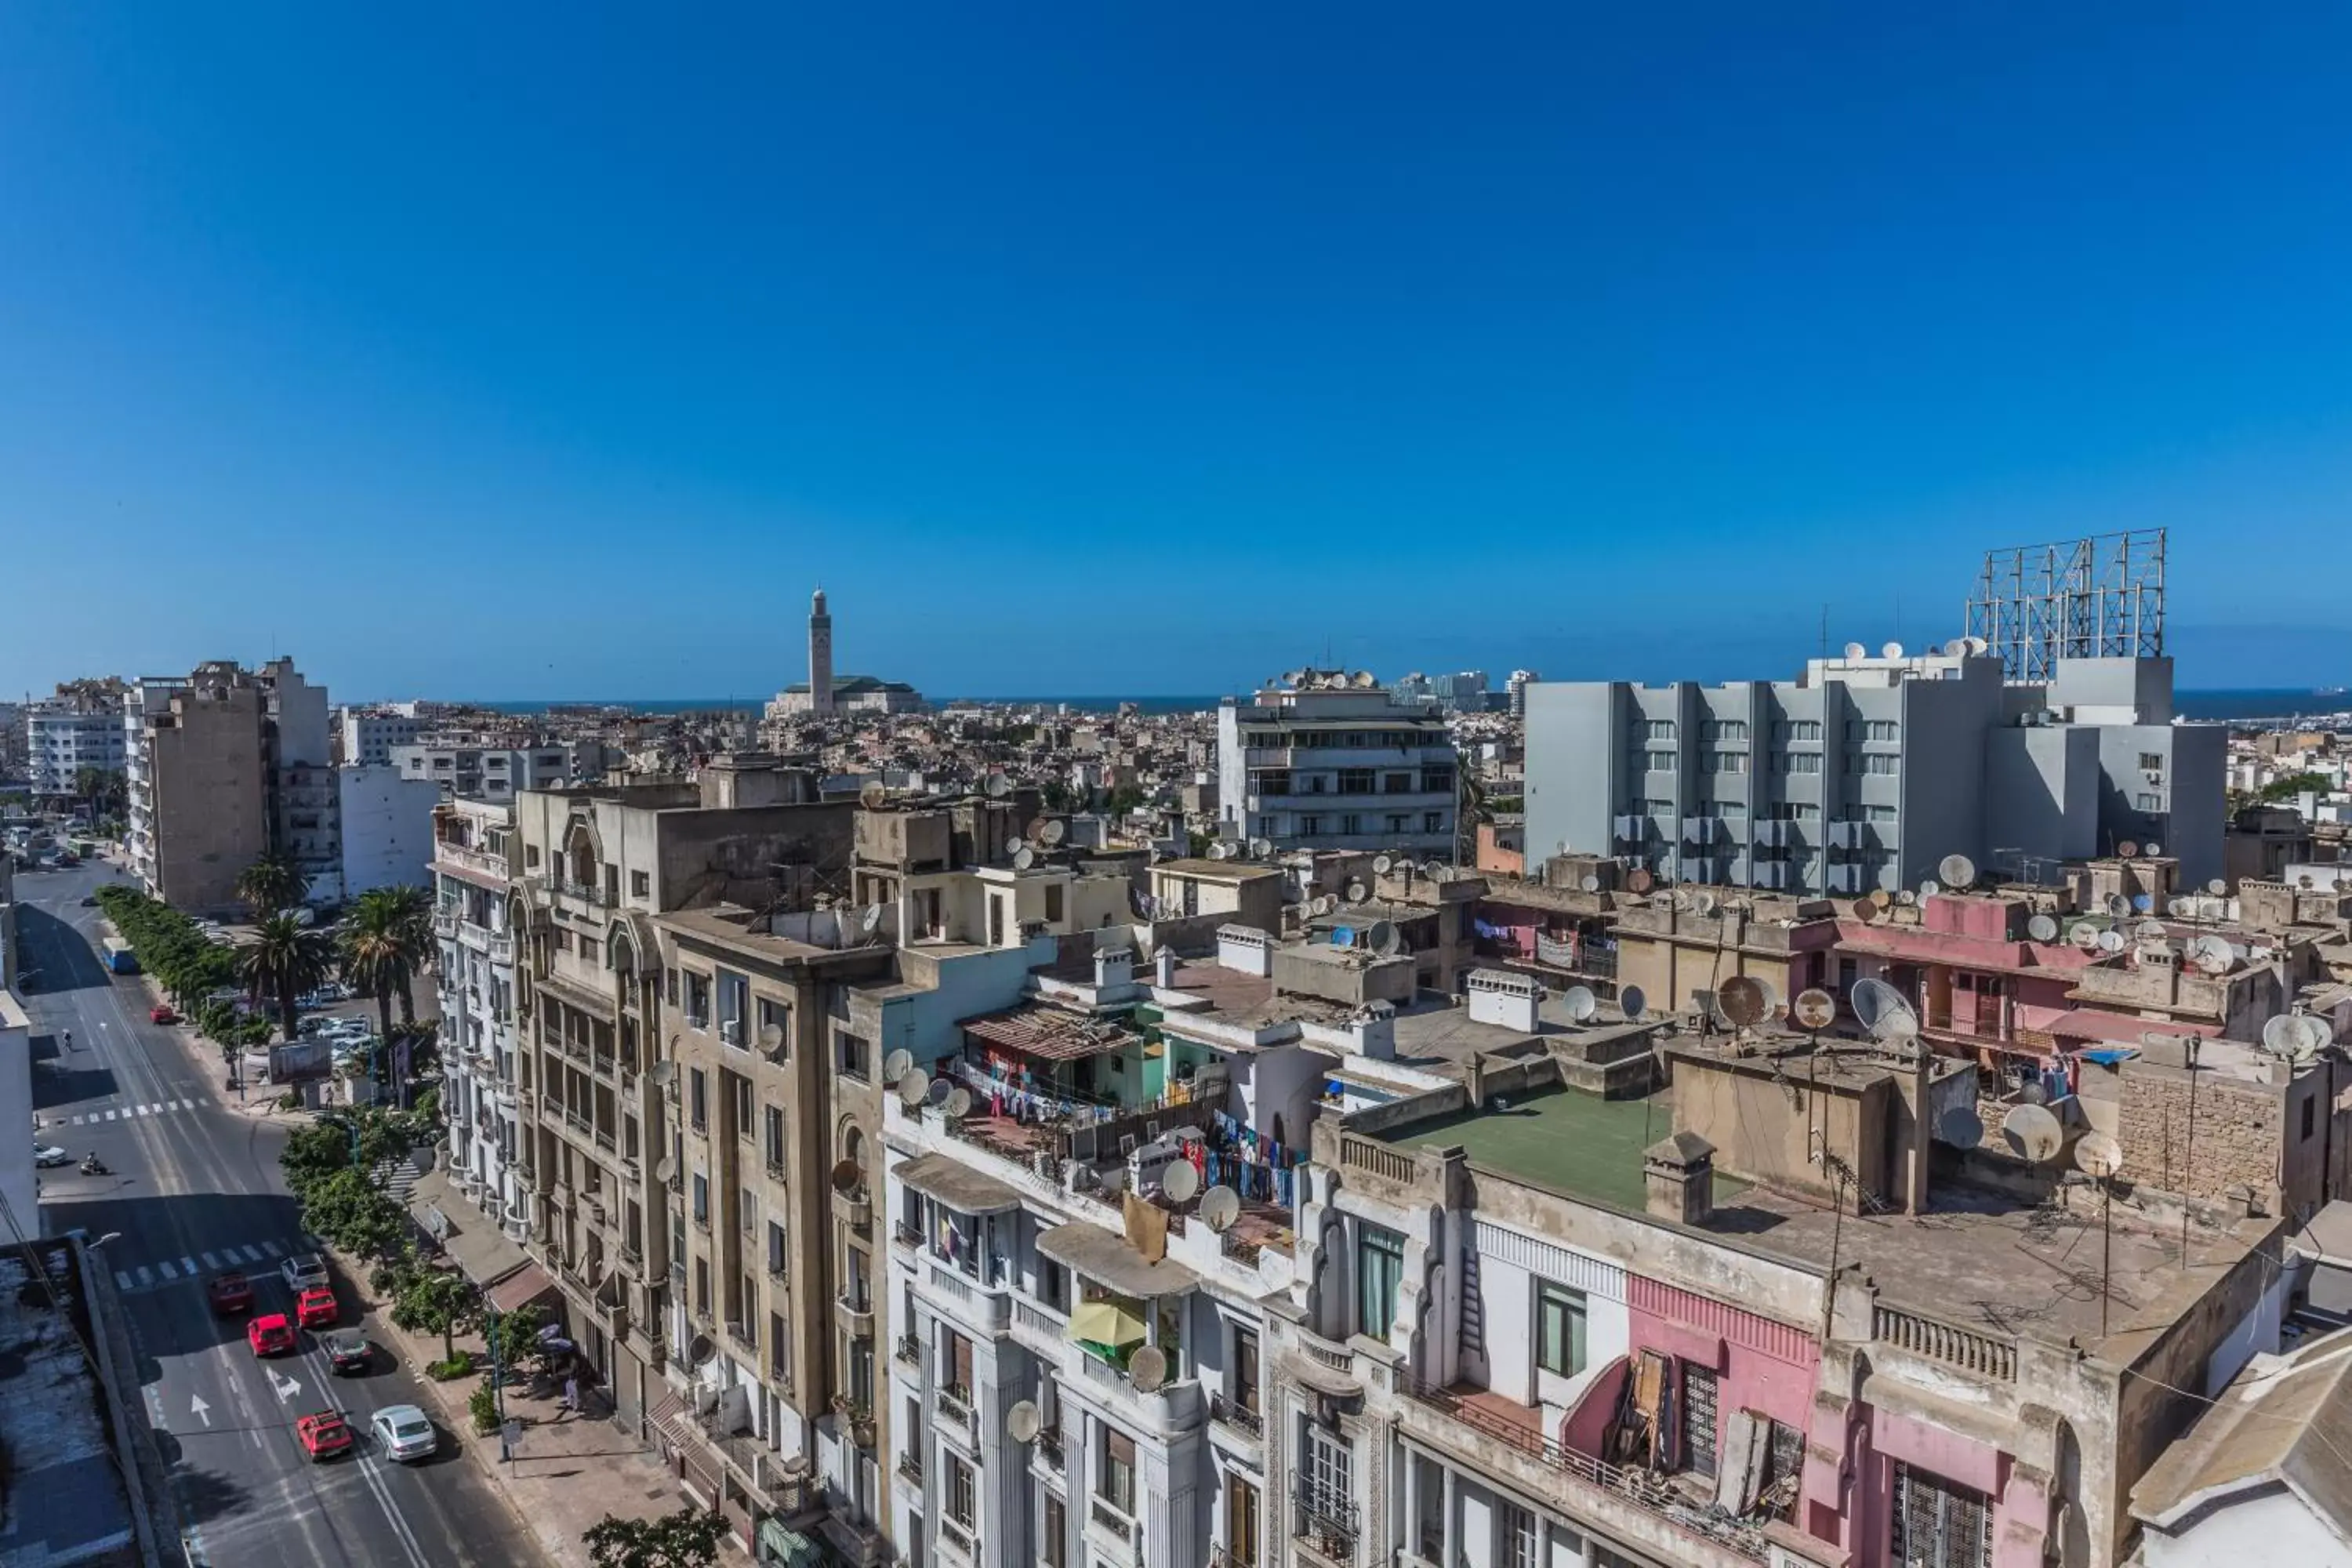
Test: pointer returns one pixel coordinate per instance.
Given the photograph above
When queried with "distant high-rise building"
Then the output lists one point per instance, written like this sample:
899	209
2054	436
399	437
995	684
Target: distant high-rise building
820	656
1333	763
825	693
81	727
1518	688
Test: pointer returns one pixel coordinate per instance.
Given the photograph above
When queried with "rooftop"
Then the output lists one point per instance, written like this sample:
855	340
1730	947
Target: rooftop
67	1500
1563	1139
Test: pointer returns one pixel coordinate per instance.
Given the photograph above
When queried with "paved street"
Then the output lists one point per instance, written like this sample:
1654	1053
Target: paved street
196	1188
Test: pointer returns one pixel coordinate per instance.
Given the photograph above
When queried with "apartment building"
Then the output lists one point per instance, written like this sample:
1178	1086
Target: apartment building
1864	773
474	869
82	727
366	736
493	771
1331	761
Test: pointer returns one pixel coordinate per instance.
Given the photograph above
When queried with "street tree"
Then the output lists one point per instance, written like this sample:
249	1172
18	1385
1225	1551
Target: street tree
347	1210
686	1539
437	1302
285	959
270	884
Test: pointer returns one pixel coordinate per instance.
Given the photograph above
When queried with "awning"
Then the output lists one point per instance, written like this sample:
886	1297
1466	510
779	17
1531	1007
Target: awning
1106	1323
957	1184
2123	1028
1105	1256
788	1547
2111	1056
482	1252
520	1289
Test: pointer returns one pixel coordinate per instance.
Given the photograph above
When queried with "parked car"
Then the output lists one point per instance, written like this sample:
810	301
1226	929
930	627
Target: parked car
406	1432
324	1434
230	1293
162	1012
270	1334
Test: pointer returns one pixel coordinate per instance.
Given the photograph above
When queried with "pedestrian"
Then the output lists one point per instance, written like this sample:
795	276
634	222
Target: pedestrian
571	1393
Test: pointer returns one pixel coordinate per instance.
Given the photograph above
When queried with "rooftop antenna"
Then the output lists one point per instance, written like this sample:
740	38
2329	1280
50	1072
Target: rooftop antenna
2100	1156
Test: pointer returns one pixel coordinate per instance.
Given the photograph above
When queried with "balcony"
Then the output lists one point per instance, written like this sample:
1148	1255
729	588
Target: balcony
1233	1412
471	859
1326	1520
856	1312
1049	1448
910	1350
856	1209
858	1541
444	924
910	1465
906	1236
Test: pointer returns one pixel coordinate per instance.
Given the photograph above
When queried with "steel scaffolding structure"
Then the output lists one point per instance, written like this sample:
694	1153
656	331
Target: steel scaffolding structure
2100	597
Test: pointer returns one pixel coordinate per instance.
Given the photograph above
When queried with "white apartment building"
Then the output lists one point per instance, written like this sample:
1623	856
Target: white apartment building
367	735
489	772
387	829
1333	762
473	867
60	740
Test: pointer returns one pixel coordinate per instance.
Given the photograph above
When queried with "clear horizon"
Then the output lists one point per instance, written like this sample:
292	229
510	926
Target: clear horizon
1155	352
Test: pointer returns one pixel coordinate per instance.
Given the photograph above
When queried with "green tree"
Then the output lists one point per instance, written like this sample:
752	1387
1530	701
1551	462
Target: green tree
346	1209
686	1539
1124	799
270	884
387	939
437	1302
2293	784
101	789
313	1154
513	1337
285	959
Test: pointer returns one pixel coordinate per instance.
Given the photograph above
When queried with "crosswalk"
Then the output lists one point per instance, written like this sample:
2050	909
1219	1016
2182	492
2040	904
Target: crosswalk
122	1113
397	1178
195	1266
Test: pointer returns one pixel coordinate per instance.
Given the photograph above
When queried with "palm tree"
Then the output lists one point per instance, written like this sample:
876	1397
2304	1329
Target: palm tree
285	959
409	912
387	938
269	884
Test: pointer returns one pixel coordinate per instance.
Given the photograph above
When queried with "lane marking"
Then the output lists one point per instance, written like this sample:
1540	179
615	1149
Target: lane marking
272	1248
211	1261
146	1275
252	1254
122	1280
169	1272
110	1116
190	1265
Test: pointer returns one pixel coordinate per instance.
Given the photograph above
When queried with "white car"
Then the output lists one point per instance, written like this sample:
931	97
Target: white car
406	1432
304	1271
47	1155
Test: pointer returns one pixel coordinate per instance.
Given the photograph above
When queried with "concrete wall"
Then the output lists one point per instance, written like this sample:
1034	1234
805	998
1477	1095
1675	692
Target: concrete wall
210	797
1576	748
387	829
2042	791
19	1184
2258	1526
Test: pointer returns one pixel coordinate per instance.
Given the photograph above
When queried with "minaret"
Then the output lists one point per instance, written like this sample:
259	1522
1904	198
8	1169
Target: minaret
820	656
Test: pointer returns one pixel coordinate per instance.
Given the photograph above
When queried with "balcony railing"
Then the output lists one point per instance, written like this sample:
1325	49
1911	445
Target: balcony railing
905	1234
910	1350
1986	1355
1324	1516
1236	1415
955	1404
1111	1518
910	1465
1049	1448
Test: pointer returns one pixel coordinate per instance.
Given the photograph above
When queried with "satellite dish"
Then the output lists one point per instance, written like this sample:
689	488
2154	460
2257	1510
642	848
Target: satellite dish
1147	1369
1023	857
1056	830
845	1175
771	1037
1384	939
897	1065
1892	650
1325	903
1591	884
912	1090
998	786
2032	1093
1357	892
2127	850
2041	928
872	796
2085	936
1580	1001
1024	1422
2151	850
2033	1134
939	1091
2111	942
1639	879
1702	902
2117	906
1956	648
1383	864
1856	650
1960	1127
1742	1000
1906	897
1219	850
662	1071
2150	930
1814	1008
1976	646
1880	898
1930	888
1957	870
2217	887
1435	871
959	1105
2181	908
663	1172
871	921
699	1349
1220	1206
2142	903
2213	956
2099	1155
1260	849
1883	1010
1181	1181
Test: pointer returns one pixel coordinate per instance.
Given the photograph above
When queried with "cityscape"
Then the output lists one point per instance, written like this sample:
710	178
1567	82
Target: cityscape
1104	790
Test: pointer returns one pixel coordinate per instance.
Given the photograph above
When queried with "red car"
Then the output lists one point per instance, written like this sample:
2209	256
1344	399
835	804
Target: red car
270	1334
315	1308
161	1012
324	1434
231	1293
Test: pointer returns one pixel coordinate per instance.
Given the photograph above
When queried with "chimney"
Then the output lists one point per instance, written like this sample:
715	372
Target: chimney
1503	998
1679	1173
1163	968
1113	968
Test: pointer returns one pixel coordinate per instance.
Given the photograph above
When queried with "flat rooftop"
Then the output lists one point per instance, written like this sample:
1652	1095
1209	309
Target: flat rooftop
1563	1139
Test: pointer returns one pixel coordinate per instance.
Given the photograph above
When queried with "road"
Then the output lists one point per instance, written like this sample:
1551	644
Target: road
196	1188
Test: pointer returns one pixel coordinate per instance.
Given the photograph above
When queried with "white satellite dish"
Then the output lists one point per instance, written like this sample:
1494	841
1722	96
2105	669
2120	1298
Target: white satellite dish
1383	864
1960	1127
2181	908
1147	1369
2117	907
1324	904
1055	831
2041	928
1957	871
1591	884
898	1064
1930	888
2032	1133
1883	1010
871	921
1580	1001
666	1170
1023	857
941	1088
1220	1207
1023	1421
959	1104
772	1040
1854	650
1814	1008
1260	849
998	786
1357	892
2111	942
2150	930
1219	850
2099	1155
1384	939
2217	887
2151	850
913	1089
1702	902
1892	650
1906	897
1181	1181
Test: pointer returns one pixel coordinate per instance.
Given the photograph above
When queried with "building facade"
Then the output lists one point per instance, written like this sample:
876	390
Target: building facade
493	773
366	736
65	735
1330	761
1865	772
386	824
474	866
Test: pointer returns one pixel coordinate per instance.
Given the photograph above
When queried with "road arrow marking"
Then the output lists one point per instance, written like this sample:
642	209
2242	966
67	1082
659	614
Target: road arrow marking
198	1408
287	1387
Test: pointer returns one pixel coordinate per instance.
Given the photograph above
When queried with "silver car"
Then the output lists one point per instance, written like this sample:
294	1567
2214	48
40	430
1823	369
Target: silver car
404	1432
304	1271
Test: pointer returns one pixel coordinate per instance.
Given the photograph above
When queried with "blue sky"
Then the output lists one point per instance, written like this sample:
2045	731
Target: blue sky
511	351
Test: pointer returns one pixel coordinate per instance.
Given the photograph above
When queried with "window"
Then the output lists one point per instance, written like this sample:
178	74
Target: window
774	1116
1938	1524
1796	762
1658	730
1244	1391
697	1086
1880	730
1437	781
1240	1521
1723	763
1876	764
955	1363
1659	762
1797	729
529	851
1723	729
1560	1329
1325	1482
775	1248
745	1126
701	1288
1350	822
776	1016
1515	1531
1270	781
2151	762
850	1054
2145	800
1433	822
1115	1478
962	1495
1053	901
1051	1550
701	1200
563	938
747	1211
1355	781
1054	1285
698	1000
641	886
1396	784
1400	822
734	1001
1380	1267
669	986
1699	1417
1310	824
1878	813
590	950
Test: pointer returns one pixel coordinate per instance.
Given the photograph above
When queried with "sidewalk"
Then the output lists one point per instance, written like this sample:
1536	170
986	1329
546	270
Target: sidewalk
568	1472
